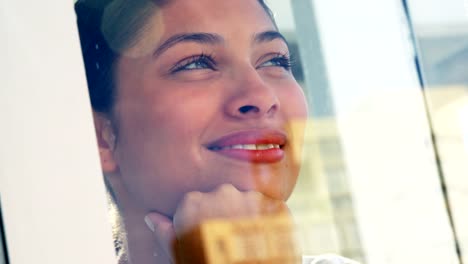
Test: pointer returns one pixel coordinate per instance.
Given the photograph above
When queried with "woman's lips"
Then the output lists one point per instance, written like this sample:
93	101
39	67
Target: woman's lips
258	146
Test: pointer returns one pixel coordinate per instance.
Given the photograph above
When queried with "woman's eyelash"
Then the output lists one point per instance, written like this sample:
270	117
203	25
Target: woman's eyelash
206	61
199	61
281	60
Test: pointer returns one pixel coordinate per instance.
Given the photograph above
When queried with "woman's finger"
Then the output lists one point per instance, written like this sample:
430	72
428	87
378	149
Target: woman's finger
163	231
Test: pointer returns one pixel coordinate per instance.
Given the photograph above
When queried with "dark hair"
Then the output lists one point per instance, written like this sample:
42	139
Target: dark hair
106	28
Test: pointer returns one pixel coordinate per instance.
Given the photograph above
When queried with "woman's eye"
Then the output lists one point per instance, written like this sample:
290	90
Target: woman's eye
279	60
195	63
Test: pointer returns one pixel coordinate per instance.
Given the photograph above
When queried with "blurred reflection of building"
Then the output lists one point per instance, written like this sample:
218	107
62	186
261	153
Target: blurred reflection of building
322	201
443	53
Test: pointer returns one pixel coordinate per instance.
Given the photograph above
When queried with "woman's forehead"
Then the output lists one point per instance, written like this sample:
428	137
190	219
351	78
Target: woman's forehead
223	18
213	14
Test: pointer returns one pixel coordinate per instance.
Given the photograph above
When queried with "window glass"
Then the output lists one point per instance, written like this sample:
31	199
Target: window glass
179	115
234	132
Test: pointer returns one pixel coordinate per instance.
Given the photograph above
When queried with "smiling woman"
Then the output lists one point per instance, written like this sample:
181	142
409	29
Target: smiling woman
194	102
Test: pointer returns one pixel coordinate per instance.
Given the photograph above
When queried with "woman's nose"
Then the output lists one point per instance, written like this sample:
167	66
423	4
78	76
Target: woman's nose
252	98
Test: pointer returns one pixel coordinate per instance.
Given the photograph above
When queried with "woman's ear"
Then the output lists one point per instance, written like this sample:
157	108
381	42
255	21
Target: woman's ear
105	135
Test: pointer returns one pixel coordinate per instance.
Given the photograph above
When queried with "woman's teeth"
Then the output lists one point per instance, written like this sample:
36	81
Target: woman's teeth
251	147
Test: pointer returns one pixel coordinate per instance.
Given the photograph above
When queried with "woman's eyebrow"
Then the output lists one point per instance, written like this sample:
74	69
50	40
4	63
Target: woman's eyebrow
268	36
203	38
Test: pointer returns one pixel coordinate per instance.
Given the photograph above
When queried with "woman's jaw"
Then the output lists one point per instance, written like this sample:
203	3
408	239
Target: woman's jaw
271	171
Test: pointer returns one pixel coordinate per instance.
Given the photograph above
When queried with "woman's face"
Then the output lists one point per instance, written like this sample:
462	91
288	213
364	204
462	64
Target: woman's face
205	97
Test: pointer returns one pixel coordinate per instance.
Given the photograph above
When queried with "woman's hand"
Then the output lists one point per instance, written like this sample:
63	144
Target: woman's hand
225	202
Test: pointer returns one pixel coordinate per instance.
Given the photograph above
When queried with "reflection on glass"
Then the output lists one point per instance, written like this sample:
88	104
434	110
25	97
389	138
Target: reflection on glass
323	202
442	37
373	180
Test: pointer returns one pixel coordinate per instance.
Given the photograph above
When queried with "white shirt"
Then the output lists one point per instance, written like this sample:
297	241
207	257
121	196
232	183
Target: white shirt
327	259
